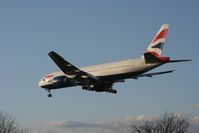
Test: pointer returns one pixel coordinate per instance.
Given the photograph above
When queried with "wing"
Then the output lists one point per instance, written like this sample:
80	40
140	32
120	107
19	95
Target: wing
71	70
153	74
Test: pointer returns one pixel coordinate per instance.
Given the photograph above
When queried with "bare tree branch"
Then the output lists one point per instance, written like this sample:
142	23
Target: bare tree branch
8	124
169	123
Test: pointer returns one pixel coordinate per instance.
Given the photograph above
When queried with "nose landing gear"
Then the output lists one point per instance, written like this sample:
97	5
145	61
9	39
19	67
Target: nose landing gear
49	93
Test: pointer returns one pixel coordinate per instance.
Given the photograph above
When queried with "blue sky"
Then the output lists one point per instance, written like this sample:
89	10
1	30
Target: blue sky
92	32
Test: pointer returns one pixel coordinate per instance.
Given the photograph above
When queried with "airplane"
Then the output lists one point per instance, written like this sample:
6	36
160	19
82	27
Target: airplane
100	78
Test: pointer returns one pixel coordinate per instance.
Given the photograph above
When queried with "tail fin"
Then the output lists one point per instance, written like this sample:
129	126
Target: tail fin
156	46
154	50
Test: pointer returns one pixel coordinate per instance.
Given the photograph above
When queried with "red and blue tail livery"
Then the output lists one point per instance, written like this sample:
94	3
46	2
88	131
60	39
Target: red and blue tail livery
156	46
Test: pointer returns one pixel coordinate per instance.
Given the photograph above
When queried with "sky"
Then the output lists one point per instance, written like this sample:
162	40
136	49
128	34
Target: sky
89	32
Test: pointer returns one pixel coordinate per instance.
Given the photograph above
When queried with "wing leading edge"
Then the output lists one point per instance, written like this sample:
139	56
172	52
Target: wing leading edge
71	70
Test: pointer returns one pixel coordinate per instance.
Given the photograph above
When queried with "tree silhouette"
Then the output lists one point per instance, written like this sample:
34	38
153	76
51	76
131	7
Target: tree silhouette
8	124
168	123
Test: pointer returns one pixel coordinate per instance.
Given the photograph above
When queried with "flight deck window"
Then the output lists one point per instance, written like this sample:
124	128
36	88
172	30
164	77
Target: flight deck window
59	78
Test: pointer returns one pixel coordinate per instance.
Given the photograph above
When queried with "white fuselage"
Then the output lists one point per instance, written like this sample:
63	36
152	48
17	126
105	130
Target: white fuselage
119	67
116	70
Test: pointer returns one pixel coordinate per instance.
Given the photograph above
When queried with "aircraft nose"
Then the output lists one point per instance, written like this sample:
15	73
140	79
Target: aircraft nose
45	84
41	84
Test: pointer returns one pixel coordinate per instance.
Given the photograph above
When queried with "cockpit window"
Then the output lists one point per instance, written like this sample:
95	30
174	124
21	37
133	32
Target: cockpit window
58	78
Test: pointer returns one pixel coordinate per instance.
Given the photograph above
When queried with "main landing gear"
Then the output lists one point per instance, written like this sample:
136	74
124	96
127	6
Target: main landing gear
111	90
49	93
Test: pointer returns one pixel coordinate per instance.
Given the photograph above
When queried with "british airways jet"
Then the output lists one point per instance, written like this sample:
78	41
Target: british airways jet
100	78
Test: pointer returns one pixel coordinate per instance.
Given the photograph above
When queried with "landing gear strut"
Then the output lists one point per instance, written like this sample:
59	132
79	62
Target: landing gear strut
49	93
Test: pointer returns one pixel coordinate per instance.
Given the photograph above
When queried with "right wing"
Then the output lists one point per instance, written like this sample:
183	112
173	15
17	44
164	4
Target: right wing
153	74
71	70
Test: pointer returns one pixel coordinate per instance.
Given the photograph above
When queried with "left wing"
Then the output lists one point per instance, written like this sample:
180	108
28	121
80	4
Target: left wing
153	74
71	70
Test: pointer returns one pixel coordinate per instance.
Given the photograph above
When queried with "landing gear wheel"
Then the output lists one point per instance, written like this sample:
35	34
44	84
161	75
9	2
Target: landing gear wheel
114	91
111	91
49	95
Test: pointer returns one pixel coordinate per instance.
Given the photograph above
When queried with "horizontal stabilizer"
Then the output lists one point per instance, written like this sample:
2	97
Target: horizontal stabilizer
173	61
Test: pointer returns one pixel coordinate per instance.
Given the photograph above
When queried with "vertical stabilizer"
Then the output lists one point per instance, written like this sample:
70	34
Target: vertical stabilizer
156	46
